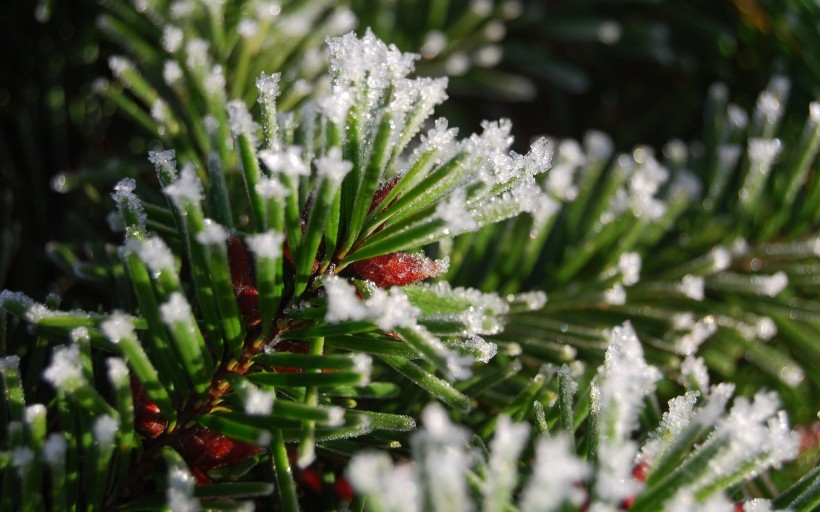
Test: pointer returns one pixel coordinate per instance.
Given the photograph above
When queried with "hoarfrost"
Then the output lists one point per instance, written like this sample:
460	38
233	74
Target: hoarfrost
266	245
117	370
105	429
693	370
54	449
156	255
66	370
332	166
186	188
176	309
555	477
505	448
258	402
180	493
127	201
212	234
172	38
288	161
119	325
454	213
692	286
704	328
629	264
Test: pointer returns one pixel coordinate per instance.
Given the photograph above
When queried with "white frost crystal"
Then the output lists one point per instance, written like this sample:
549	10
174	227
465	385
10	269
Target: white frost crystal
105	429
692	286
180	494
624	381
392	488
555	477
688	343
455	215
186	188
616	295
35	412
267	244
505	448
172	38
258	401
65	371
212	234
118	326
54	449
693	369
176	309
288	161
128	201
332	167
156	255
442	459
771	285
117	370
271	188
240	119
629	264
387	309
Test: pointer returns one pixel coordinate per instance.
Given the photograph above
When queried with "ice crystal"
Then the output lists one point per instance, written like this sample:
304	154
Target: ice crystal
502	474
9	362
242	122
176	309
171	72
692	286
267	244
478	348
120	66
616	295
555	477
332	167
117	370
54	449
623	382
396	489
258	402
35	412
172	38
186	188
673	422
212	234
455	215
693	370
21	457
271	188
180	493
758	505
119	325
156	255
771	285
442	459
247	28
65	371
105	429
363	364
196	52
704	328
288	161
629	264
127	201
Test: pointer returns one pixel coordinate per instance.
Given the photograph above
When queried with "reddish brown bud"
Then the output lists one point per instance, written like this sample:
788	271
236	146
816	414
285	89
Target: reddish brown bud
205	450
396	269
148	420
